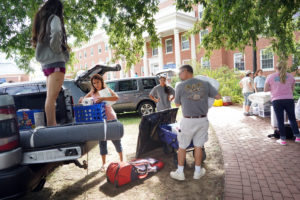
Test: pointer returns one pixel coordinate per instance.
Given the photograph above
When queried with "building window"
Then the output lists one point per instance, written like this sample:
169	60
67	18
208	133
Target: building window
200	11
169	45
84	53
205	62
106	47
239	61
202	34
154	51
100	61
99	49
93	63
92	51
85	66
266	59
80	55
185	43
107	60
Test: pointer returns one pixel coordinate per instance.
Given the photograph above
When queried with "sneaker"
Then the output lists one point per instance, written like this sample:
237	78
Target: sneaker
246	114
103	168
297	139
198	175
177	175
282	142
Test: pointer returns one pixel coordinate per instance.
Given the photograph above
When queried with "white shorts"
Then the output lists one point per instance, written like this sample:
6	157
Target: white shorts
193	129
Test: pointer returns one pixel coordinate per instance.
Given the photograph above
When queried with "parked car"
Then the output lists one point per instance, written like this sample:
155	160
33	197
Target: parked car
27	157
134	94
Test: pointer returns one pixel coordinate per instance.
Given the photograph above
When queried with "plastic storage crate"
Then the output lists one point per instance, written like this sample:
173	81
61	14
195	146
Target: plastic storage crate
92	113
27	118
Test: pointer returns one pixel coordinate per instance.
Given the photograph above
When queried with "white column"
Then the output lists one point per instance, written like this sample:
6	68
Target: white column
193	48
109	55
160	56
177	48
132	71
145	59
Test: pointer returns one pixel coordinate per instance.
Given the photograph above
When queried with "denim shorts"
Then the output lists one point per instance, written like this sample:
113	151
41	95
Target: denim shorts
247	101
260	89
103	146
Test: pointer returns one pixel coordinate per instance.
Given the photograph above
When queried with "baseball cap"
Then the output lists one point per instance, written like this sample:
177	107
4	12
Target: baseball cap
248	72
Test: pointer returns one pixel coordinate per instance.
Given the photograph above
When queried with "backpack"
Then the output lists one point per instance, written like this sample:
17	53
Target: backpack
121	173
288	132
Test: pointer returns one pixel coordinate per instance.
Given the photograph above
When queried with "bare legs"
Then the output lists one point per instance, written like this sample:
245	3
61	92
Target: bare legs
182	154
54	83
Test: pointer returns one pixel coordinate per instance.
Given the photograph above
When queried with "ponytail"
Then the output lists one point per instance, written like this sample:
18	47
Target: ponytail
167	90
281	66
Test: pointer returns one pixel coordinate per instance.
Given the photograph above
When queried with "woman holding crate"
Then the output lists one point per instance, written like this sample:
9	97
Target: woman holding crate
98	85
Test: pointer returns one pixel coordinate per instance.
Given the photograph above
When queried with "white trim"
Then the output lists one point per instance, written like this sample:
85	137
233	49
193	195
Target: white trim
186	60
235	62
167	46
188	40
260	61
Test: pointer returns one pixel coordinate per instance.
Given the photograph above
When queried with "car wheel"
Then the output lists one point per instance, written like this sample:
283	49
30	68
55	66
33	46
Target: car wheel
146	108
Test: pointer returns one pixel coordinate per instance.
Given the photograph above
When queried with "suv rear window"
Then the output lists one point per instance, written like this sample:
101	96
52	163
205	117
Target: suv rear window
148	83
127	85
111	85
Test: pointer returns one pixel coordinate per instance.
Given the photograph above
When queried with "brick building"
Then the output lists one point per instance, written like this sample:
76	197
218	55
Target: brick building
176	49
11	73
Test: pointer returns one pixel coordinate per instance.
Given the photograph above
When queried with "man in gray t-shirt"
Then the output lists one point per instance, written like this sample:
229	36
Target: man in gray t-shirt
192	94
162	95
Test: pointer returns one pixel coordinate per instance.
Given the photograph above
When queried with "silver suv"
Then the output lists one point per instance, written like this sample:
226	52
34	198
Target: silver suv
134	94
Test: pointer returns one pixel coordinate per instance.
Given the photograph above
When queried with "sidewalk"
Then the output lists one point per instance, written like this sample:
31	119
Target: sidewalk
256	167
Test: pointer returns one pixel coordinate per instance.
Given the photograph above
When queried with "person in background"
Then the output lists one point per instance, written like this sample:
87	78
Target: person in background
136	74
51	50
259	81
98	84
281	84
247	89
162	94
192	95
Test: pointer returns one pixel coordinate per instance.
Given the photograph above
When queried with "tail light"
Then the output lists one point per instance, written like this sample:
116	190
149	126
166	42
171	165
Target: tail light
9	132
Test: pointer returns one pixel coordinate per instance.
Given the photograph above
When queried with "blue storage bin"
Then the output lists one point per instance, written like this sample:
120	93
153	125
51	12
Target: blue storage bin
92	113
26	119
169	137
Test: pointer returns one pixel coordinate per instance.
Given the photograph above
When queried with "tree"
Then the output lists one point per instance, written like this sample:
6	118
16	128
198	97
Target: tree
126	21
237	23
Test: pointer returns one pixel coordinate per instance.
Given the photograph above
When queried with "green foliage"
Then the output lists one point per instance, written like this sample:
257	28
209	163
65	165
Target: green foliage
229	82
234	24
297	93
125	22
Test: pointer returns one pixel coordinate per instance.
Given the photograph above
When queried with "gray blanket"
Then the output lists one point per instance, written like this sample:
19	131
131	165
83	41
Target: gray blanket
74	133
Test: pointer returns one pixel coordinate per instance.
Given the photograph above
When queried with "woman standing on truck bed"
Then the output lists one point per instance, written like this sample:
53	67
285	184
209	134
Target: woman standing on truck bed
50	42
